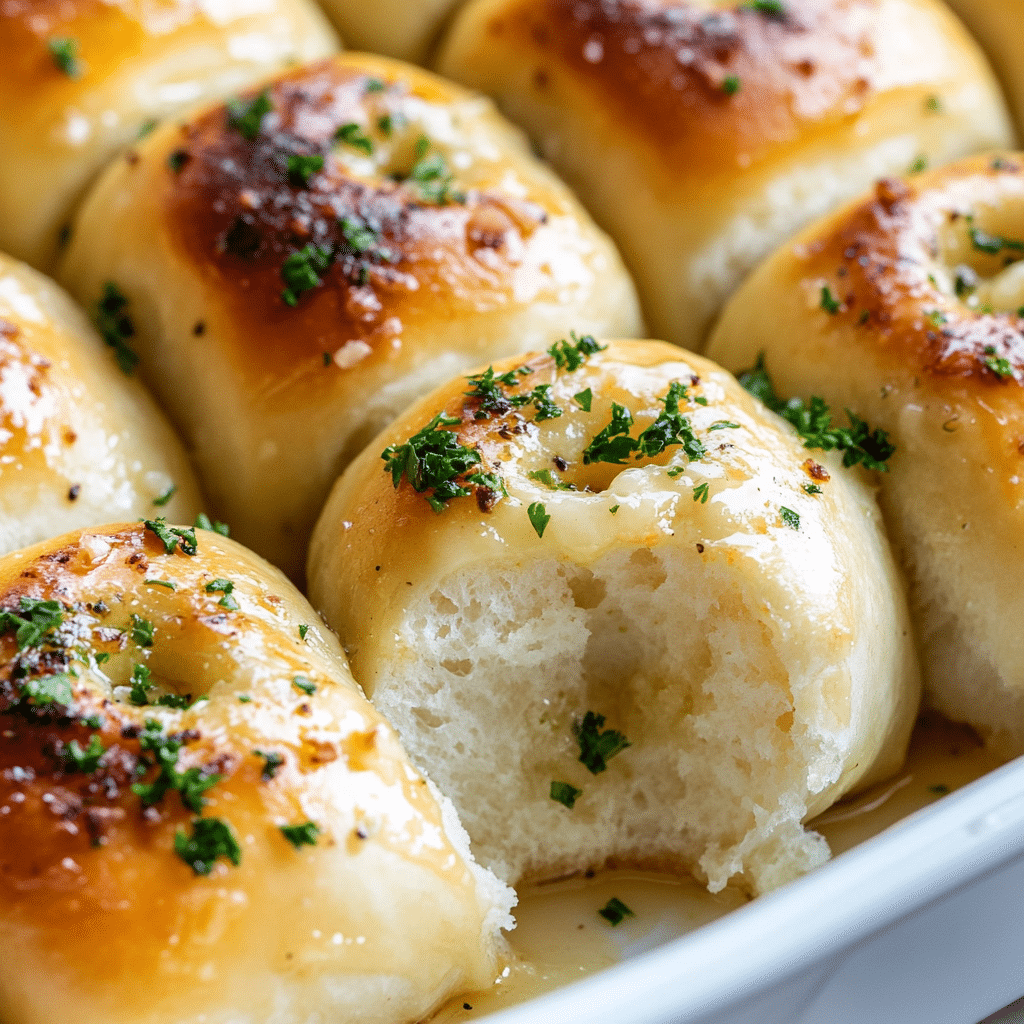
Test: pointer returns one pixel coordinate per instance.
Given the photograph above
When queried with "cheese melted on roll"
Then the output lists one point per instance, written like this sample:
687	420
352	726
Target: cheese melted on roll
908	308
702	134
80	79
314	258
79	441
201	817
619	614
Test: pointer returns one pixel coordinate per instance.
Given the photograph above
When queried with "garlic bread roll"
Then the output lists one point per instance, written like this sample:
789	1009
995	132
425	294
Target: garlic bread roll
80	79
717	610
395	28
201	817
996	24
701	134
79	440
306	307
906	308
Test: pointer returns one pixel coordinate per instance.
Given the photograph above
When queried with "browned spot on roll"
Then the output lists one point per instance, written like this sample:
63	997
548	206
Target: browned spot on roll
667	71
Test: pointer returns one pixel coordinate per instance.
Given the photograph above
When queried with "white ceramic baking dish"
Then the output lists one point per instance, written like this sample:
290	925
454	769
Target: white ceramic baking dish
923	924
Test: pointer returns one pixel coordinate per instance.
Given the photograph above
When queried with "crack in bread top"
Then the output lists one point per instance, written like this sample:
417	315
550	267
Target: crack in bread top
705	86
912	270
338	163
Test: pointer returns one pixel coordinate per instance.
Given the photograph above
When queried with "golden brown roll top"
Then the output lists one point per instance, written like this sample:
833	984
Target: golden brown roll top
593	554
700	136
81	78
201	817
314	256
908	307
79	440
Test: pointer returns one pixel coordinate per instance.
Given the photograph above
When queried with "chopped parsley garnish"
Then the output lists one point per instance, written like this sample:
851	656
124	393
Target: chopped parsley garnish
487	388
939	789
358	237
176	701
935	317
829	302
177	160
211	838
55	689
33	620
723	425
85	761
813	422
190	785
303	630
548	479
247	118
101	658
224	587
432	460
614	509
918	165
570	356
173	536
999	365
64	52
546	408
965	281
244	698
789	517
301	271
539	518
203	523
670	428
301	835
147	127
272	760
769	8
374	85
615	911
352	135
812	489
142	631
432	178
305	685
302	166
612	443
584	399
565	793
386	125
116	326
933	104
700	493
597	747
166	496
169	584
731	85
141	685
991	244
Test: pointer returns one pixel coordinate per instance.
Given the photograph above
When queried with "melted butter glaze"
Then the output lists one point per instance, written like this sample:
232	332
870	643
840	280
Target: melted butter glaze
662	67
882	260
238	216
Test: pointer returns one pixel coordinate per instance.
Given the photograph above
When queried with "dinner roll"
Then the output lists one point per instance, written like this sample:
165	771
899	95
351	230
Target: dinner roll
997	26
201	817
80	79
906	308
79	441
396	28
306	306
567	559
701	134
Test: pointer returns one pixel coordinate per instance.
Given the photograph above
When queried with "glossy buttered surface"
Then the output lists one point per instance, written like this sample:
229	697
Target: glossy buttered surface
701	135
725	602
907	306
313	259
81	78
79	440
201	817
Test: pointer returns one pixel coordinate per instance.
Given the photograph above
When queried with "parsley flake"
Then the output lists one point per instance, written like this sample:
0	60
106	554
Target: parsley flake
301	835
731	85
615	911
700	493
352	135
203	523
597	747
999	365
177	160
169	584
305	685
173	537
272	760
116	327
224	587
565	793
33	620
85	761
190	785
141	684
432	178
789	517
302	166
142	631
570	356
584	399
612	443
64	53
176	701
993	245
539	518
247	118
301	271
829	302
813	422
769	8
358	237
211	838
303	630
812	489
166	496
55	689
